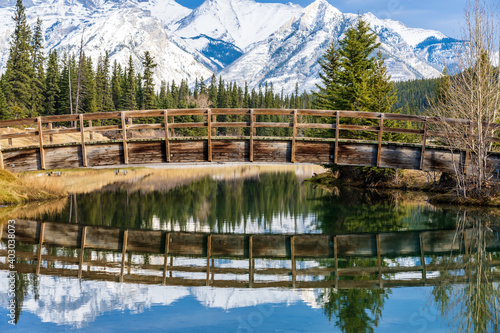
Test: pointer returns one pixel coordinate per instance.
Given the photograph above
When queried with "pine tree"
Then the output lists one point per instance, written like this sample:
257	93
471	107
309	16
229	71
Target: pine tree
88	92
349	73
116	85
52	88
38	80
149	98
129	86
19	72
4	114
67	84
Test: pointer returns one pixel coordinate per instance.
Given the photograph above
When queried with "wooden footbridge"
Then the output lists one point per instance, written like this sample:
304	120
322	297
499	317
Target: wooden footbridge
120	141
63	250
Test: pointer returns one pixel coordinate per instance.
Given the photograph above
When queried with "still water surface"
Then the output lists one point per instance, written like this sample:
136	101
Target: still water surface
460	290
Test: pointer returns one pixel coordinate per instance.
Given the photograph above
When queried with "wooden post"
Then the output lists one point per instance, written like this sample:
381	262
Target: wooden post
380	131
82	251
9	140
424	142
335	256
84	149
250	261
171	265
167	135
124	137
209	252
165	260
379	262
294	135
40	141
2	166
40	245
51	137
91	134
209	124
214	120
213	275
124	251
252	133
253	120
337	133
294	266
422	257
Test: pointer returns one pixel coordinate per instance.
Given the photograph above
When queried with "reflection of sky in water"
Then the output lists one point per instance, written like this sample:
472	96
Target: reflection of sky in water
106	306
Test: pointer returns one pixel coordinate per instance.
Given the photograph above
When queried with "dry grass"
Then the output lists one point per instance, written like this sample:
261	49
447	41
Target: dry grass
32	210
147	179
15	190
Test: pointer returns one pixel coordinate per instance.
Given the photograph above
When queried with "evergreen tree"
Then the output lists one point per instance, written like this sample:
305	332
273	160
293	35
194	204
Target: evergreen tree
19	72
88	91
38	80
352	79
52	88
149	98
67	84
4	113
116	85
129	86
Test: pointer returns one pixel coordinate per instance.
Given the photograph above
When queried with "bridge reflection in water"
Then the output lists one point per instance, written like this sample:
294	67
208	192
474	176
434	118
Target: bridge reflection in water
248	261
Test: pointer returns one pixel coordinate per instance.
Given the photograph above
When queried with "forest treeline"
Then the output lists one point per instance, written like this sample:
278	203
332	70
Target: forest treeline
38	84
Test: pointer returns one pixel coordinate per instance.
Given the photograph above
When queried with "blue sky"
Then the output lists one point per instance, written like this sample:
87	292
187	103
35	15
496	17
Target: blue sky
443	15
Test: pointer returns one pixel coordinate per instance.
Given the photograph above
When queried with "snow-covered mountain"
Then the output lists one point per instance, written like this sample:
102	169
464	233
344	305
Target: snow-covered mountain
241	40
290	54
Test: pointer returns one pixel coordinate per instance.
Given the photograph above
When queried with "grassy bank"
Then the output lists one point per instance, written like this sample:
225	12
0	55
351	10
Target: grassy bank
18	189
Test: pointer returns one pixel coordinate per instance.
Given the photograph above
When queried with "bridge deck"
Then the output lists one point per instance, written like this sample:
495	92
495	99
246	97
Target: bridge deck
170	148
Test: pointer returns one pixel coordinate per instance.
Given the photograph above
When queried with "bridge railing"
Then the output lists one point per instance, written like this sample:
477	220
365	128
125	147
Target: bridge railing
171	125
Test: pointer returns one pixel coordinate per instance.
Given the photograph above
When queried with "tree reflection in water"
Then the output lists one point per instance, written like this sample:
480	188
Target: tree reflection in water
468	299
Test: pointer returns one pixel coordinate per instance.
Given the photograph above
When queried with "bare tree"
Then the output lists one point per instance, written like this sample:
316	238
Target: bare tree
473	94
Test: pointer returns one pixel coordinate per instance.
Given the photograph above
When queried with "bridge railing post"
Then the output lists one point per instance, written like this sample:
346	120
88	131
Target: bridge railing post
40	141
424	143
1	158
167	135
209	130
337	134
124	138
252	133
294	135
380	132
82	133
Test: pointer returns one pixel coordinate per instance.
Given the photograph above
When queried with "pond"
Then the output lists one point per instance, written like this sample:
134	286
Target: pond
247	249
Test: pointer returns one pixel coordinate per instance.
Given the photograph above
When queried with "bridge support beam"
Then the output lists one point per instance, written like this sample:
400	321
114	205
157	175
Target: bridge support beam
337	133
40	142
424	142
167	136
294	135
84	149
209	125
380	132
252	133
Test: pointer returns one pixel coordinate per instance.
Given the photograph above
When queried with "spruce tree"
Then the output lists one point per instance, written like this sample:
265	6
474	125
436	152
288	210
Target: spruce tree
19	72
38	79
352	78
149	98
116	85
52	88
129	86
4	112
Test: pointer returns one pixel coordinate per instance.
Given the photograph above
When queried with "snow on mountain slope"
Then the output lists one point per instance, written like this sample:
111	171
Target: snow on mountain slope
122	28
239	22
290	54
168	11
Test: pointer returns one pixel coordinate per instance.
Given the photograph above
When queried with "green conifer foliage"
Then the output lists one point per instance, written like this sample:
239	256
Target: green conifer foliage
149	97
19	73
38	80
52	88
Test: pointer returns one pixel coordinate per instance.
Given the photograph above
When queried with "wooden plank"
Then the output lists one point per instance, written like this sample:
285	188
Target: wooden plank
335	256
124	252
82	251
250	261
165	260
292	250
252	133
124	138
422	257
231	124
424	143
40	247
316	126
84	150
51	138
40	142
359	128
273	125
294	135
187	125
337	134
9	141
209	132
380	132
379	262
2	167
214	120
11	136
167	135
143	126
209	253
